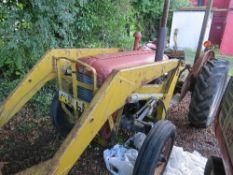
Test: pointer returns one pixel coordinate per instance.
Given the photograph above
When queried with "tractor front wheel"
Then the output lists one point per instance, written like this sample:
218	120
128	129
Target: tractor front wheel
214	166
156	149
207	93
58	117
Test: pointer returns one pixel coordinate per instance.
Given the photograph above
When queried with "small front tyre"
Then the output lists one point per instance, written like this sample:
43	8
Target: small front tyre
156	149
59	118
214	166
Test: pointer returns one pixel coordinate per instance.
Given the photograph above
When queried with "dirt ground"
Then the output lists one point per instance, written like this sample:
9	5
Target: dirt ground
190	138
28	139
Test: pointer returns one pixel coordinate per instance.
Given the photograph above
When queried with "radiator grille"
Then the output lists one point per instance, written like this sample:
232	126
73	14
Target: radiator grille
83	93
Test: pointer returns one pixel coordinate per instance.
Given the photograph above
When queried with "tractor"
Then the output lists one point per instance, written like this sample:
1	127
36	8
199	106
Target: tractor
103	90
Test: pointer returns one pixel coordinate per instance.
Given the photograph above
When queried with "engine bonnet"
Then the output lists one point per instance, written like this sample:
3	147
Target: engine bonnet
104	64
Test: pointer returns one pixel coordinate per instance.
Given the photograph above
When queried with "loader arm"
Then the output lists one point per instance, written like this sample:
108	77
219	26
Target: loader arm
110	97
42	72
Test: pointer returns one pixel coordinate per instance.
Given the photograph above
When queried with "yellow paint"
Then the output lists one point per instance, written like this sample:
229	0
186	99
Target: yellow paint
86	86
39	169
168	91
42	72
151	88
94	75
110	98
111	122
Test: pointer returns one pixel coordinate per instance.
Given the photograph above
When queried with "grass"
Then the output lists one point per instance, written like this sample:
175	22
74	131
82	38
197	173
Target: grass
191	54
231	72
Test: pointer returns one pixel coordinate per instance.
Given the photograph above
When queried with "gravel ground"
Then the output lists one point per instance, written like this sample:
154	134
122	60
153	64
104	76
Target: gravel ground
188	137
27	140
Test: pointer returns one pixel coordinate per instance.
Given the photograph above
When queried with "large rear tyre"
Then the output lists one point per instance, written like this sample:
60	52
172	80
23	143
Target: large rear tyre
207	93
58	117
156	149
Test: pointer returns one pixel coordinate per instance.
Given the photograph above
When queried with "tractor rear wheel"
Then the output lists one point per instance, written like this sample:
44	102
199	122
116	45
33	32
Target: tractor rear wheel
156	149
207	93
58	117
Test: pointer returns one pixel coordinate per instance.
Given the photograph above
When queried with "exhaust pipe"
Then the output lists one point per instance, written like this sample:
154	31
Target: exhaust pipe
162	32
203	29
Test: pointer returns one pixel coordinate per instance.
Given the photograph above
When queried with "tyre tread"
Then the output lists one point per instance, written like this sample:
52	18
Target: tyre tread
206	87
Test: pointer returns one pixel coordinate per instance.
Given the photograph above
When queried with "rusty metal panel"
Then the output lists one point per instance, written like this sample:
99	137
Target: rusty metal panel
224	129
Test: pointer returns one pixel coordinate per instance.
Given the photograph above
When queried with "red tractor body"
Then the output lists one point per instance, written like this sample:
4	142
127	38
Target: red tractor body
224	135
224	128
105	64
224	150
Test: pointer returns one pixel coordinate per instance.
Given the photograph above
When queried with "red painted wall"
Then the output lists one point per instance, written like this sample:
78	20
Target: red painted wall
216	3
226	47
221	3
219	21
231	4
217	27
221	32
194	2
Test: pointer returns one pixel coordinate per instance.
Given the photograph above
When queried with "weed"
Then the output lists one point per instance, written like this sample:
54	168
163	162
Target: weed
27	127
42	100
9	143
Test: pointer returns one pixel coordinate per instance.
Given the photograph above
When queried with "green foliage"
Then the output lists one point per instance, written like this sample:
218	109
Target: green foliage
42	100
28	28
149	12
103	23
6	87
38	25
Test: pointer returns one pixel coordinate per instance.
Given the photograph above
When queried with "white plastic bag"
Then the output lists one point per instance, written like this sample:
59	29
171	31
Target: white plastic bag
137	140
120	160
185	163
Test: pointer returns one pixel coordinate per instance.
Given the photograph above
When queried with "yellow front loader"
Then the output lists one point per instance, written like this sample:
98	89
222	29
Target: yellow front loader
102	90
109	98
